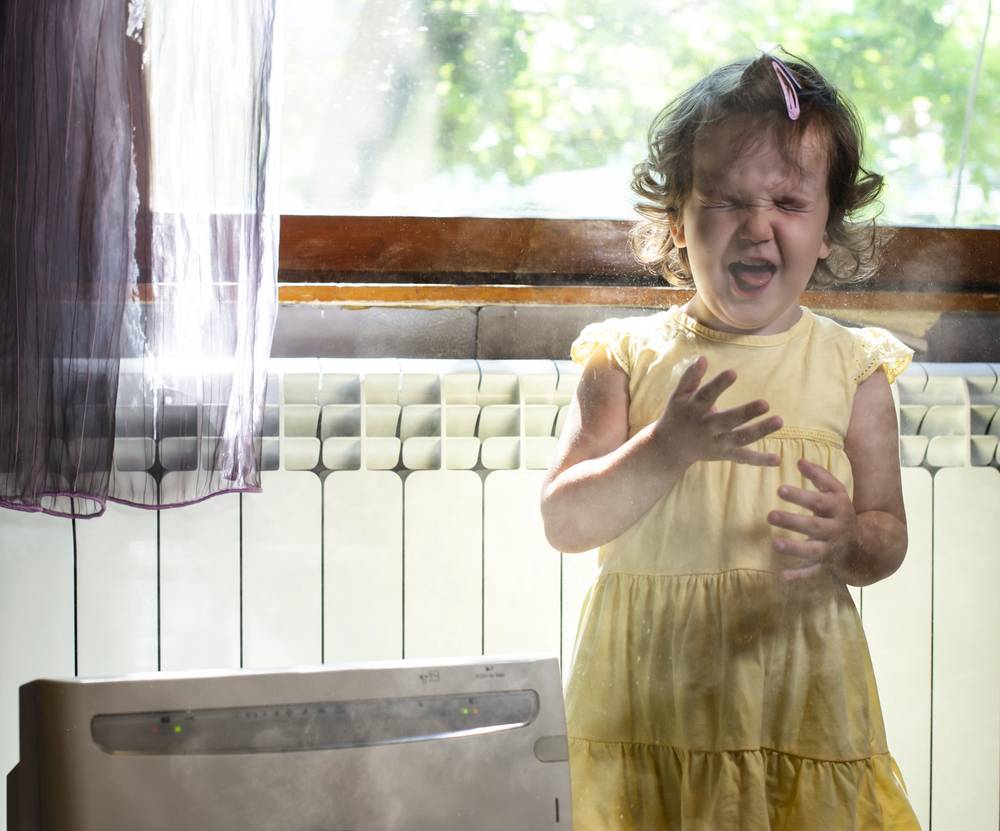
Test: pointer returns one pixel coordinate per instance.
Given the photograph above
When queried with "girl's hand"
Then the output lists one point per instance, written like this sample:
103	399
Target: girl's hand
831	532
696	431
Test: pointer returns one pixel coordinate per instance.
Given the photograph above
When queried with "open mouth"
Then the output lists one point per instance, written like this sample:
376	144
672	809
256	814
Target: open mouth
751	276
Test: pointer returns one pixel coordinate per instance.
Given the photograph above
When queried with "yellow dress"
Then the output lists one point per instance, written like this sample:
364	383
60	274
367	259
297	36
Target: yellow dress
706	692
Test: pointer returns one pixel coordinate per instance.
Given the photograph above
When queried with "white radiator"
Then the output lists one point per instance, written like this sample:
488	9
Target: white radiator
365	546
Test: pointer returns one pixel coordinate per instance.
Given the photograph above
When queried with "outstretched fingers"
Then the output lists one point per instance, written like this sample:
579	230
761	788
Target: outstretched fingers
731	427
706	433
732	418
756	431
710	392
691	377
818	502
824	481
746	456
812	554
829	527
752	433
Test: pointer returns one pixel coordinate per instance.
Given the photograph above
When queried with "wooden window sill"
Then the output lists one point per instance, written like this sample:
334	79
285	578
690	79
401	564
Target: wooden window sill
438	262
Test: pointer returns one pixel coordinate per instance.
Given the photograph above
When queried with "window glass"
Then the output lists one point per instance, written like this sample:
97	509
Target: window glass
540	107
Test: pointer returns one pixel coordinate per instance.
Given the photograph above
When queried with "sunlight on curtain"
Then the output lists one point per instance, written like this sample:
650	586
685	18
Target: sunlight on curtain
138	250
198	336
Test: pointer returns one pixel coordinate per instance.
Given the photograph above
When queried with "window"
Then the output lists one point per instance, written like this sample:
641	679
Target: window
539	108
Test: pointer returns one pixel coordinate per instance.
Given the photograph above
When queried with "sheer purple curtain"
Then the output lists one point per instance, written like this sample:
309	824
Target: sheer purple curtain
138	250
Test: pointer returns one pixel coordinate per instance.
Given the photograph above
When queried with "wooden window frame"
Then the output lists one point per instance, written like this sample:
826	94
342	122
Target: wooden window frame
436	262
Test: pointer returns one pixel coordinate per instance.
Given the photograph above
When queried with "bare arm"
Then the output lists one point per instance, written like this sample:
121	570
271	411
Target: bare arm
602	481
872	445
862	540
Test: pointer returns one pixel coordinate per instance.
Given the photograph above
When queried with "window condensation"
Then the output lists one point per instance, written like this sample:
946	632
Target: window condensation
540	107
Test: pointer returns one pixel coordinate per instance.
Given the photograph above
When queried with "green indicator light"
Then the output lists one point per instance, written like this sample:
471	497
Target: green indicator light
465	711
178	728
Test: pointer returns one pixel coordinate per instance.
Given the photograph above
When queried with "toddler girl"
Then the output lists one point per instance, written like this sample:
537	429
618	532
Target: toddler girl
736	460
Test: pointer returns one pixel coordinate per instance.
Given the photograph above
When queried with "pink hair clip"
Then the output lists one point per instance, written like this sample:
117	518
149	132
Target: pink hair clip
789	85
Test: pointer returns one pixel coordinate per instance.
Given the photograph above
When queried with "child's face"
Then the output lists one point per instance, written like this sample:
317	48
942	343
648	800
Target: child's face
754	227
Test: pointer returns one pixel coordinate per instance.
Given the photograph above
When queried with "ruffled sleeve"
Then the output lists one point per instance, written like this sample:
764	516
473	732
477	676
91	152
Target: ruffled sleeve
874	348
610	335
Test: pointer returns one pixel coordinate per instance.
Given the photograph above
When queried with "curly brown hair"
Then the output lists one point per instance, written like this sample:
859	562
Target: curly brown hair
748	89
